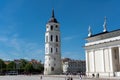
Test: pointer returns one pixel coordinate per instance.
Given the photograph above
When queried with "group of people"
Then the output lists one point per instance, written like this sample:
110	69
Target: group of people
97	75
69	77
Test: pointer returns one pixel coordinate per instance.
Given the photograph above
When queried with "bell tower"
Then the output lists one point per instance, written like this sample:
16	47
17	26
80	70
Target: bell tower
52	63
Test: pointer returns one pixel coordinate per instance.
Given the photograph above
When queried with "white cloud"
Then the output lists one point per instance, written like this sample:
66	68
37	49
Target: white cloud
3	39
13	47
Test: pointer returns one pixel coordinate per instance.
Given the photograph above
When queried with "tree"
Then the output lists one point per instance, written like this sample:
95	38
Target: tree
40	68
2	66
23	63
29	68
11	66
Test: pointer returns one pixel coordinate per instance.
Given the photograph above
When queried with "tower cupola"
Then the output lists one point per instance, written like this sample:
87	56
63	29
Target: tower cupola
53	19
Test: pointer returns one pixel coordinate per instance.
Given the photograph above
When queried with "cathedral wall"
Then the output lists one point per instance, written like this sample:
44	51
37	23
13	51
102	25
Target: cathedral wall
115	53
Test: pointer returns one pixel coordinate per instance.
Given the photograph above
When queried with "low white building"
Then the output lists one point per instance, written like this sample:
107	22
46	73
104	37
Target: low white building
103	53
73	66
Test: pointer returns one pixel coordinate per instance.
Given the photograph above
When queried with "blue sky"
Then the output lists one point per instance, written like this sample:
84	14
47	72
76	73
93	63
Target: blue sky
22	25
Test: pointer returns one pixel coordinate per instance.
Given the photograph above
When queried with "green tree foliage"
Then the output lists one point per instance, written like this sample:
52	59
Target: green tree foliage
2	66
40	68
21	66
23	63
11	66
29	68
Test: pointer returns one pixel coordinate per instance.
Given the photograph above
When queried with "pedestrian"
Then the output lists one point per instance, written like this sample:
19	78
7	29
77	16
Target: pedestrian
80	77
40	77
98	75
71	78
93	75
68	78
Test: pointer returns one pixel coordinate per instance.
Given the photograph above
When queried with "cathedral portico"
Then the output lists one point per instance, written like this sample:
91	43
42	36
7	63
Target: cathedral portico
103	53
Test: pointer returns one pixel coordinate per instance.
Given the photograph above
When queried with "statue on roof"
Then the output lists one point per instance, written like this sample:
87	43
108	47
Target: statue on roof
105	25
89	32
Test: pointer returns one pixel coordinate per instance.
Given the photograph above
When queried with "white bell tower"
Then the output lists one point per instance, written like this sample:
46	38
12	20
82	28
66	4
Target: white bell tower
52	65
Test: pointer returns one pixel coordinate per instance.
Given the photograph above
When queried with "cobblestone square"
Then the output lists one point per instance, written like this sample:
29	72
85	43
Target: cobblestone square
53	77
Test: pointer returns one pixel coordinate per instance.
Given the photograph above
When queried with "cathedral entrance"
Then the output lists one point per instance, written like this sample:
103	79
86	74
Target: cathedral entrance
116	65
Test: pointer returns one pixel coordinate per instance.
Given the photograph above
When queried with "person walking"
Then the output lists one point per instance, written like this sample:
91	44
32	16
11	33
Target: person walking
41	77
80	77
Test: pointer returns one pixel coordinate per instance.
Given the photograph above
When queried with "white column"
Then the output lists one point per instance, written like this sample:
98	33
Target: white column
87	61
94	61
111	59
104	60
119	54
93	52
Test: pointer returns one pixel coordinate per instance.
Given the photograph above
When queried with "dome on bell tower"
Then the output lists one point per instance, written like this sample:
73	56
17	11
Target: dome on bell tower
53	19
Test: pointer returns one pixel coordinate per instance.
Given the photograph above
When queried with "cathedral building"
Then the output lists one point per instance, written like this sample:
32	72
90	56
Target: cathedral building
52	65
103	53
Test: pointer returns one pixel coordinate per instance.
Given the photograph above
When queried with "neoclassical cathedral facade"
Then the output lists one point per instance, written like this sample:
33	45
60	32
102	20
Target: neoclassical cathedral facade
103	53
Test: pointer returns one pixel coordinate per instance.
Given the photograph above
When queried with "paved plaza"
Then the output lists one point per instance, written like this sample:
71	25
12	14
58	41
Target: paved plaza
38	77
33	77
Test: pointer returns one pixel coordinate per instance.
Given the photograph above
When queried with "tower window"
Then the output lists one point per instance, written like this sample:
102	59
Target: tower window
51	38
51	50
51	27
56	38
56	26
52	68
56	49
56	45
